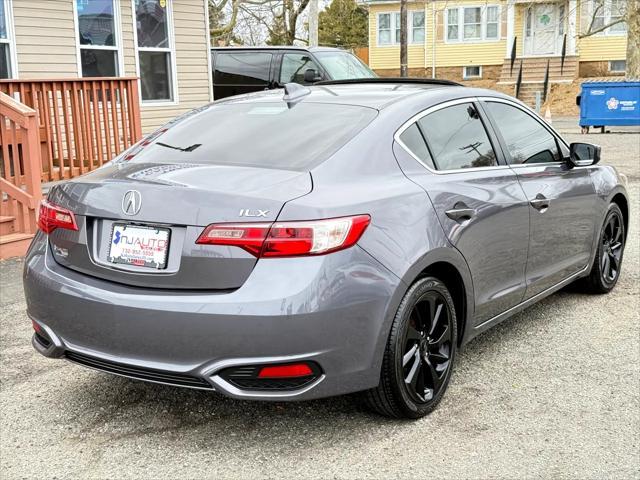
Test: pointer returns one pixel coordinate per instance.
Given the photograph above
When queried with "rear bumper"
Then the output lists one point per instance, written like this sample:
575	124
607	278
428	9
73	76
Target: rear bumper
331	309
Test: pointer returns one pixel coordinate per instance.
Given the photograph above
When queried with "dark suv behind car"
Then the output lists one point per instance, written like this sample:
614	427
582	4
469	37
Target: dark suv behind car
238	70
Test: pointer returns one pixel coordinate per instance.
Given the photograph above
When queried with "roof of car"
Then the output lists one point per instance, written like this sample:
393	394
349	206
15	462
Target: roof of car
378	95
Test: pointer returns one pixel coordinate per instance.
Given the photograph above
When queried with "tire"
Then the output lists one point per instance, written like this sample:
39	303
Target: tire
423	340
607	264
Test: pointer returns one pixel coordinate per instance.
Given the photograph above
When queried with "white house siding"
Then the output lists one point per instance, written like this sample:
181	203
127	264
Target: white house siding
45	38
46	48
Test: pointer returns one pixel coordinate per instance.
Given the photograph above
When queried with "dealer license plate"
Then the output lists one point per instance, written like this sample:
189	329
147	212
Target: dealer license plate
139	246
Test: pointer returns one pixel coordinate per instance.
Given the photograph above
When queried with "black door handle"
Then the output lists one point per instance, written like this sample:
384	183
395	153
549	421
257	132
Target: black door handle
460	212
540	203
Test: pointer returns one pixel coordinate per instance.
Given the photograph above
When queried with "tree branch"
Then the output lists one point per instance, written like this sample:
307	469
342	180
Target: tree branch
601	29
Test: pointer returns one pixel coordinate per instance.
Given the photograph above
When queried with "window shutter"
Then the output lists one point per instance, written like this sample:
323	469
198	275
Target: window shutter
440	26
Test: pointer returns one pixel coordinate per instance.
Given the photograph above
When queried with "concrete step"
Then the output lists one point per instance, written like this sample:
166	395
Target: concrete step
7	225
14	245
535	69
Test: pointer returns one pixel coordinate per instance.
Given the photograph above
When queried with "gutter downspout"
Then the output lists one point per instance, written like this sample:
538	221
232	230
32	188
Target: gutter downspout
425	41
433	40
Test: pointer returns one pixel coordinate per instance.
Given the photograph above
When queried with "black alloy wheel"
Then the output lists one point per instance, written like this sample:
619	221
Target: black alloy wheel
427	353
607	263
611	248
420	353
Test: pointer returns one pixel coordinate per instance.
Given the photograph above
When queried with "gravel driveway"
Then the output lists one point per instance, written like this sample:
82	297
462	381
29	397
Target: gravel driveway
553	392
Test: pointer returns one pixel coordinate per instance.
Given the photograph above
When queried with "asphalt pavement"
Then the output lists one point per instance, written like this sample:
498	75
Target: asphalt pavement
553	392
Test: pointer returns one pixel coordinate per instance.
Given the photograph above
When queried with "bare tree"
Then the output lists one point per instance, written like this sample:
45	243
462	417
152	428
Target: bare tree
219	28
279	18
403	39
625	12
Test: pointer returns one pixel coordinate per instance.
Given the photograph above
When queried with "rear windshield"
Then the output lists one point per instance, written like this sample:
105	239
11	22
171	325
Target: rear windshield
267	135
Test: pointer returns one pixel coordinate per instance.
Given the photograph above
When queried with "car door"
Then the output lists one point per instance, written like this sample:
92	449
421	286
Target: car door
238	72
477	197
561	199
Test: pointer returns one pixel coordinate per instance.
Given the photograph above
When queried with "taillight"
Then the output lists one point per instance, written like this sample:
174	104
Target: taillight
288	239
52	216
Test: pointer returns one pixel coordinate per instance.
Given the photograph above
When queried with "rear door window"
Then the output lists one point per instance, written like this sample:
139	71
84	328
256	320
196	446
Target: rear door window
242	68
457	138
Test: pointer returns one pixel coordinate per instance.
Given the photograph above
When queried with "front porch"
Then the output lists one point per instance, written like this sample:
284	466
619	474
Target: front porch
56	130
541	46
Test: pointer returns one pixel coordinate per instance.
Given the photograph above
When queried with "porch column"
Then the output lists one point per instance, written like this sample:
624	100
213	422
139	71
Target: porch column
572	27
511	20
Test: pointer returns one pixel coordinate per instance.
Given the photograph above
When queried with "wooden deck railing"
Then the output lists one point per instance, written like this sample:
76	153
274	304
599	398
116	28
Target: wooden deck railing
19	165
83	122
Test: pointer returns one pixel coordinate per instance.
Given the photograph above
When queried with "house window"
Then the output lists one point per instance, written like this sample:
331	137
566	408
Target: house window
493	23
618	66
417	27
470	72
473	24
156	52
561	20
452	24
472	29
605	12
617	12
97	38
389	28
7	41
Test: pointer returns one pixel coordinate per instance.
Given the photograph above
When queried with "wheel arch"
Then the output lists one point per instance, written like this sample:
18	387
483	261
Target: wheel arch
621	200
448	265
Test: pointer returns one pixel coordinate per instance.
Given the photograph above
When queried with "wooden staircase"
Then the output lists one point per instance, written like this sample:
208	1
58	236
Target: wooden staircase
533	74
20	176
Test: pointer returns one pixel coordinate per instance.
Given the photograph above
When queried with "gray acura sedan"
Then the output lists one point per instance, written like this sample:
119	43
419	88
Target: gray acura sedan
308	242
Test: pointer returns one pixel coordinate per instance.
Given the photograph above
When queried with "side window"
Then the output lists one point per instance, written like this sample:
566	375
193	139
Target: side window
414	142
526	139
242	68
293	67
457	138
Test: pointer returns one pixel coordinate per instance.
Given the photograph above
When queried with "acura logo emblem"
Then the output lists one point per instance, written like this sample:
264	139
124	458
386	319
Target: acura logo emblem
131	202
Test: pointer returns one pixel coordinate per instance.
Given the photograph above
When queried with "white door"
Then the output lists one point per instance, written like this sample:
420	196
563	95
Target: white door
541	29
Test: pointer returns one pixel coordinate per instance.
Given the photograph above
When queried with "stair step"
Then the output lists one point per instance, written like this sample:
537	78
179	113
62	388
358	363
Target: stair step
14	237
14	244
7	225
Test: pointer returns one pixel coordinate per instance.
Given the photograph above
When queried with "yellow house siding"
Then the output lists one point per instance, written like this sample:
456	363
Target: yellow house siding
518	28
388	56
601	46
45	38
447	54
452	54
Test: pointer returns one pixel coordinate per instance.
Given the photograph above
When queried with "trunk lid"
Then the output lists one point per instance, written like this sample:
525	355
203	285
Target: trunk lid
181	198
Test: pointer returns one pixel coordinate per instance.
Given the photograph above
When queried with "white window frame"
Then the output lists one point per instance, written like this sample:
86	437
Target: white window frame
171	50
117	22
607	19
617	71
465	76
483	24
11	39
393	27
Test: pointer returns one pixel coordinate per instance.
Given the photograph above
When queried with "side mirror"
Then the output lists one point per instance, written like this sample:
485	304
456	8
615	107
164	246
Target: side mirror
311	76
583	154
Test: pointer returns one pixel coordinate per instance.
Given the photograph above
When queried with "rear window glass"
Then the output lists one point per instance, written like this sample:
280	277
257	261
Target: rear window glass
267	135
